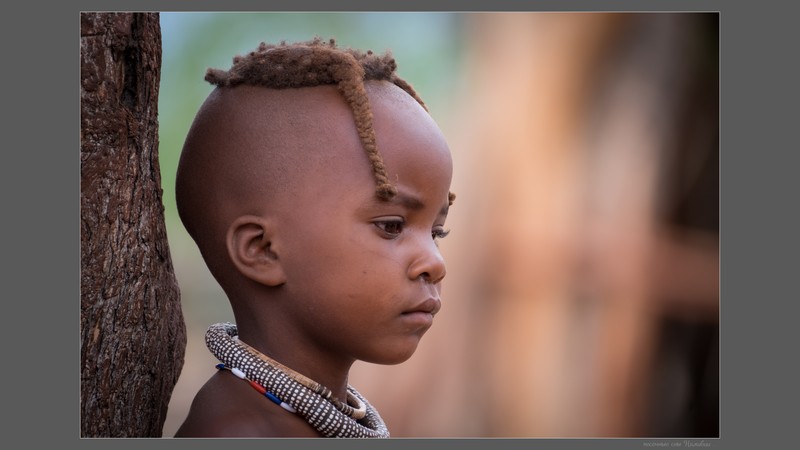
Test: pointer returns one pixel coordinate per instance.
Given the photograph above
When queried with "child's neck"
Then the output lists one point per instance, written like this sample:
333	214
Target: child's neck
282	347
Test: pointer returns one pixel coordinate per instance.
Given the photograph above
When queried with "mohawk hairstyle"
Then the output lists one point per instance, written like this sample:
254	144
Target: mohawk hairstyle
318	62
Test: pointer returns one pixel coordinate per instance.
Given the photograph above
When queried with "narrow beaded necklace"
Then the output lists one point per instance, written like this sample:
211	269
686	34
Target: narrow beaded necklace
261	389
314	402
356	413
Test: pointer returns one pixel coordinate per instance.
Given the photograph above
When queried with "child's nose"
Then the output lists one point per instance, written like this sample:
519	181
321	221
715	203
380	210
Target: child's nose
428	262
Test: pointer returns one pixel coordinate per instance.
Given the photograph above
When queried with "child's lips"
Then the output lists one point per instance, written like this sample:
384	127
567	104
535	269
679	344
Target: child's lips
429	306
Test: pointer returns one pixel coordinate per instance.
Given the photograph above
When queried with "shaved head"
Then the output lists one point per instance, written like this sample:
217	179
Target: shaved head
247	149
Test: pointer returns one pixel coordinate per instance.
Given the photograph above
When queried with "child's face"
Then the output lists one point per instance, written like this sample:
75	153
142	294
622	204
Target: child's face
364	275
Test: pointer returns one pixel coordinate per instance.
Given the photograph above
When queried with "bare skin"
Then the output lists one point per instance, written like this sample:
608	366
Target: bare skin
319	271
228	407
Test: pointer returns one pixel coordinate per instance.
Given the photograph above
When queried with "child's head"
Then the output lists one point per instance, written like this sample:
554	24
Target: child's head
315	183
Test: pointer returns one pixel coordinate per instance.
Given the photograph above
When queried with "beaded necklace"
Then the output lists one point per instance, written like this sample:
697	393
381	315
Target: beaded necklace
261	389
314	402
356	413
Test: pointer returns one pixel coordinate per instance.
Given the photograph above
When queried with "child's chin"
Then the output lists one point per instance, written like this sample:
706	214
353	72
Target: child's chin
399	355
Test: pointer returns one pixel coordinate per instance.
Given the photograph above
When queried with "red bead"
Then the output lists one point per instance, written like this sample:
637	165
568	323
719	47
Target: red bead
257	387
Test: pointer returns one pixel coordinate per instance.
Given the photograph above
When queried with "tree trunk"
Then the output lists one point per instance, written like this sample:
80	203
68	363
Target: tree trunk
133	335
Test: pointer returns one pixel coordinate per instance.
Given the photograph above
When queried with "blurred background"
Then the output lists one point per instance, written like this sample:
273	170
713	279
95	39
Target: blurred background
582	295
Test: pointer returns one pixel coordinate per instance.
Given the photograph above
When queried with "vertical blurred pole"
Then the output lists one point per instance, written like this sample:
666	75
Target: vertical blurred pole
530	87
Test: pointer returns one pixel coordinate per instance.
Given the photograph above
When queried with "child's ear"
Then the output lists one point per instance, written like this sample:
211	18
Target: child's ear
252	250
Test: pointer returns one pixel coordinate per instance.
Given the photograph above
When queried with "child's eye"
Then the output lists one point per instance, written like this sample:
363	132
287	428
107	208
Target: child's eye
439	233
391	228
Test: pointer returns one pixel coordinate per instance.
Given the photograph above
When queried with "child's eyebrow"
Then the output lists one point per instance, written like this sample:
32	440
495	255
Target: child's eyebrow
408	201
415	204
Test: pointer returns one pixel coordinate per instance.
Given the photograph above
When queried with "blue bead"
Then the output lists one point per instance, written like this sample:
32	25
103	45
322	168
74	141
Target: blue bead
276	400
220	366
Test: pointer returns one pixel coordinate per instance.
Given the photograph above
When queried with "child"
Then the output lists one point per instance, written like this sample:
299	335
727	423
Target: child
315	185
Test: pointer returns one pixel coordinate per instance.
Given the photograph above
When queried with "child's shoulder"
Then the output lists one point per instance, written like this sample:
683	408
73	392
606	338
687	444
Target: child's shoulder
228	407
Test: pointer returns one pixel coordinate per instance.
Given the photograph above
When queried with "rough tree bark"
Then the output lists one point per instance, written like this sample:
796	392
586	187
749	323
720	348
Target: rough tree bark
133	335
